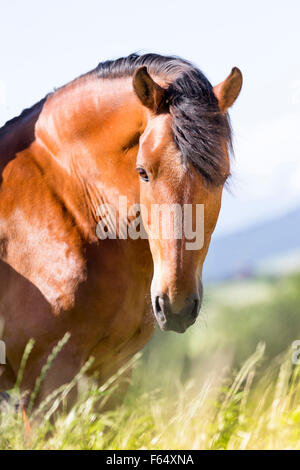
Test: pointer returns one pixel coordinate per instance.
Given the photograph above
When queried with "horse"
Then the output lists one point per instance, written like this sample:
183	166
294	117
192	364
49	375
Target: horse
150	128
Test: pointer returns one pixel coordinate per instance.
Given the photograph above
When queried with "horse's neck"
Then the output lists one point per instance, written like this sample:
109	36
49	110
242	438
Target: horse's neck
88	131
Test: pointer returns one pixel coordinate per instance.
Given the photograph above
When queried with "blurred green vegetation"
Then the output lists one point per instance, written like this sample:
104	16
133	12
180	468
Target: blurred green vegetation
227	383
235	317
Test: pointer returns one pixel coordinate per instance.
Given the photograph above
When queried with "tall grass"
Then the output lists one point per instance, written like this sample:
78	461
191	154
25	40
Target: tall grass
177	399
240	413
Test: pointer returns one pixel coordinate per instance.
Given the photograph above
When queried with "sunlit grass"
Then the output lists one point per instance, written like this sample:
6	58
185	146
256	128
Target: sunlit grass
193	391
246	412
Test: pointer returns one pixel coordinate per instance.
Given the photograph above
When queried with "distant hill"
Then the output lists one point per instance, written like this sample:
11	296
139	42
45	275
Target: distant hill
246	252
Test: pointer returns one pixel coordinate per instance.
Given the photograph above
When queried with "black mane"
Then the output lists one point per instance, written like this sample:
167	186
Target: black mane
199	127
18	133
23	114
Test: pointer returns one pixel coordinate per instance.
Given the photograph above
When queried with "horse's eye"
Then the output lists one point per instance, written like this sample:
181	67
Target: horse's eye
143	174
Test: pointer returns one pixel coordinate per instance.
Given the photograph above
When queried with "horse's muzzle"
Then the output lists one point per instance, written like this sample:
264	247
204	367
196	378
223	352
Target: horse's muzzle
176	321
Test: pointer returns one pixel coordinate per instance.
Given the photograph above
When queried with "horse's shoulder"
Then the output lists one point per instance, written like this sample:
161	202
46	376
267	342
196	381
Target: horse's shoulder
37	238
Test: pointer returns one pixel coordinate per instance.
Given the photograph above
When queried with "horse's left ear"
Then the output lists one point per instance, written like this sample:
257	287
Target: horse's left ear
227	92
148	91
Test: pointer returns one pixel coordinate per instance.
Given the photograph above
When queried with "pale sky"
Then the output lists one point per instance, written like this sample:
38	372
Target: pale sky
44	44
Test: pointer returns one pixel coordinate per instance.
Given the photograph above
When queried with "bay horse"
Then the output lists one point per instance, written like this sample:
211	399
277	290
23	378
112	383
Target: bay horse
148	127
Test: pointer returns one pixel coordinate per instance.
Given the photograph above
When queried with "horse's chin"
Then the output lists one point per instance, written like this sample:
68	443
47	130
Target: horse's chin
177	327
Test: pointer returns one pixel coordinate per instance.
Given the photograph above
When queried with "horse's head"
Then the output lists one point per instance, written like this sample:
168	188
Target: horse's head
183	163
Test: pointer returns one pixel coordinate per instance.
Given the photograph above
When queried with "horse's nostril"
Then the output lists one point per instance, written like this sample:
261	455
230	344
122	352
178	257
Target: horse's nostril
159	309
195	309
157	304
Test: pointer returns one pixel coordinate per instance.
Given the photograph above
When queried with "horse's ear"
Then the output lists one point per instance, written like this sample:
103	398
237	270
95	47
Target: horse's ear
148	91
227	92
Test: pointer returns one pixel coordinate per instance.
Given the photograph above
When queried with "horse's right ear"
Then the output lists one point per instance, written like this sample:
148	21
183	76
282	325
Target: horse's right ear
148	91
